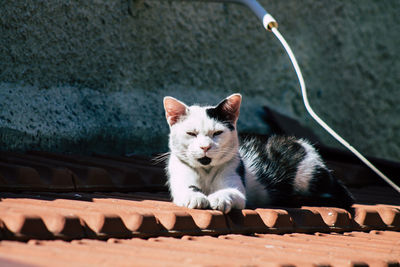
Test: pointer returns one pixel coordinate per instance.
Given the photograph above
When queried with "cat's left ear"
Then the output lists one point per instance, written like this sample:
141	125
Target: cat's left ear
228	110
174	109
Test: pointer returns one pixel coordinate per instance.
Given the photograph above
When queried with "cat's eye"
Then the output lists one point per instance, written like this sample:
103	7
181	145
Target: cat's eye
217	133
191	134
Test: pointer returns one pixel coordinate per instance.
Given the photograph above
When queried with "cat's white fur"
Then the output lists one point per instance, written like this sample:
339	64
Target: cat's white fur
220	185
306	167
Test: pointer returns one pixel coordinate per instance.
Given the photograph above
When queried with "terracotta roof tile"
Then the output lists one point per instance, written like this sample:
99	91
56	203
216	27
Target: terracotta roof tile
377	248
105	215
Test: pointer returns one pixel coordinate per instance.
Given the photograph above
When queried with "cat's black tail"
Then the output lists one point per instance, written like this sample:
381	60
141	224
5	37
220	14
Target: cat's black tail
326	190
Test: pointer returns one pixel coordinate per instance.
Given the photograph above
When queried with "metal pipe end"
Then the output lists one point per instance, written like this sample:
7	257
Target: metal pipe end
272	24
269	22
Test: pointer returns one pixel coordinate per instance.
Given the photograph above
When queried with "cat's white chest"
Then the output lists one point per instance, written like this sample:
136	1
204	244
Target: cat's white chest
217	187
209	179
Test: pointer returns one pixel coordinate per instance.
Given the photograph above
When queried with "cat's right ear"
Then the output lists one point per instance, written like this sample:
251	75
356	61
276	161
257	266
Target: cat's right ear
174	109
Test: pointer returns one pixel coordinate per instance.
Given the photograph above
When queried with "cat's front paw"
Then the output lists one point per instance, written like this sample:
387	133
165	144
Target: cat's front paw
225	200
194	200
220	201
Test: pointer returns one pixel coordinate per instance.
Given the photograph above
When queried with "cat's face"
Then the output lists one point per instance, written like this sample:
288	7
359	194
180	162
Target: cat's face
203	136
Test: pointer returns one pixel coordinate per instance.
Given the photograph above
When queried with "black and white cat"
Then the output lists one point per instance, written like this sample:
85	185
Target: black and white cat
208	168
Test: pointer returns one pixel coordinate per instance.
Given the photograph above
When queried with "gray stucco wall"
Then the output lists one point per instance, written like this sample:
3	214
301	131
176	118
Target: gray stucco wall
87	76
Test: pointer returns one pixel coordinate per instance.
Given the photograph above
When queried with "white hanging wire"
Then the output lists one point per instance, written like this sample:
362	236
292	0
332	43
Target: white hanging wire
319	120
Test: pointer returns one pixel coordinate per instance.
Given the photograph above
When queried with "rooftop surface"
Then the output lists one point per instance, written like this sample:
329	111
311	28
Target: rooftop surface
377	248
59	209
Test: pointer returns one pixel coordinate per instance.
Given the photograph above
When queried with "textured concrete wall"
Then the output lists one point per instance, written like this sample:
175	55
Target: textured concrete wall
90	75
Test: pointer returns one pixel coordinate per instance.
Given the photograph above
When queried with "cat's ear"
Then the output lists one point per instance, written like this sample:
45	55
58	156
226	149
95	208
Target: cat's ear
174	109
228	110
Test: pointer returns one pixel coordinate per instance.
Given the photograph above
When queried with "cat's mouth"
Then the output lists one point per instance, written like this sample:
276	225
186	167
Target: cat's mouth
204	160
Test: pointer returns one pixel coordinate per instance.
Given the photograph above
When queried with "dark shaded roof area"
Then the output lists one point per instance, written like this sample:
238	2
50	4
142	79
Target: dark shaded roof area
51	172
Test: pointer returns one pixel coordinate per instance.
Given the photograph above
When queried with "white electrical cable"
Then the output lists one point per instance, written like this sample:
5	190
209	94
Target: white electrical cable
319	120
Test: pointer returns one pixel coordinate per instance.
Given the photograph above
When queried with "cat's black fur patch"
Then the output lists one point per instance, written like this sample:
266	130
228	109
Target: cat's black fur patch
204	160
278	161
195	188
240	170
218	114
276	166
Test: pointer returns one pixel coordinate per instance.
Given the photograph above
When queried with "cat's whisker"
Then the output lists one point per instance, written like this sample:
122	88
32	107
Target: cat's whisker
161	158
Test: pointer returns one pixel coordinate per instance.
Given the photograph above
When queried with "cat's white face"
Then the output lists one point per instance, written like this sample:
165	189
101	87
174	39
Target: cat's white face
203	136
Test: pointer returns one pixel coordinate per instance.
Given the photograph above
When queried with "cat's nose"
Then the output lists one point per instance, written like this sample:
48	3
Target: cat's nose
205	148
